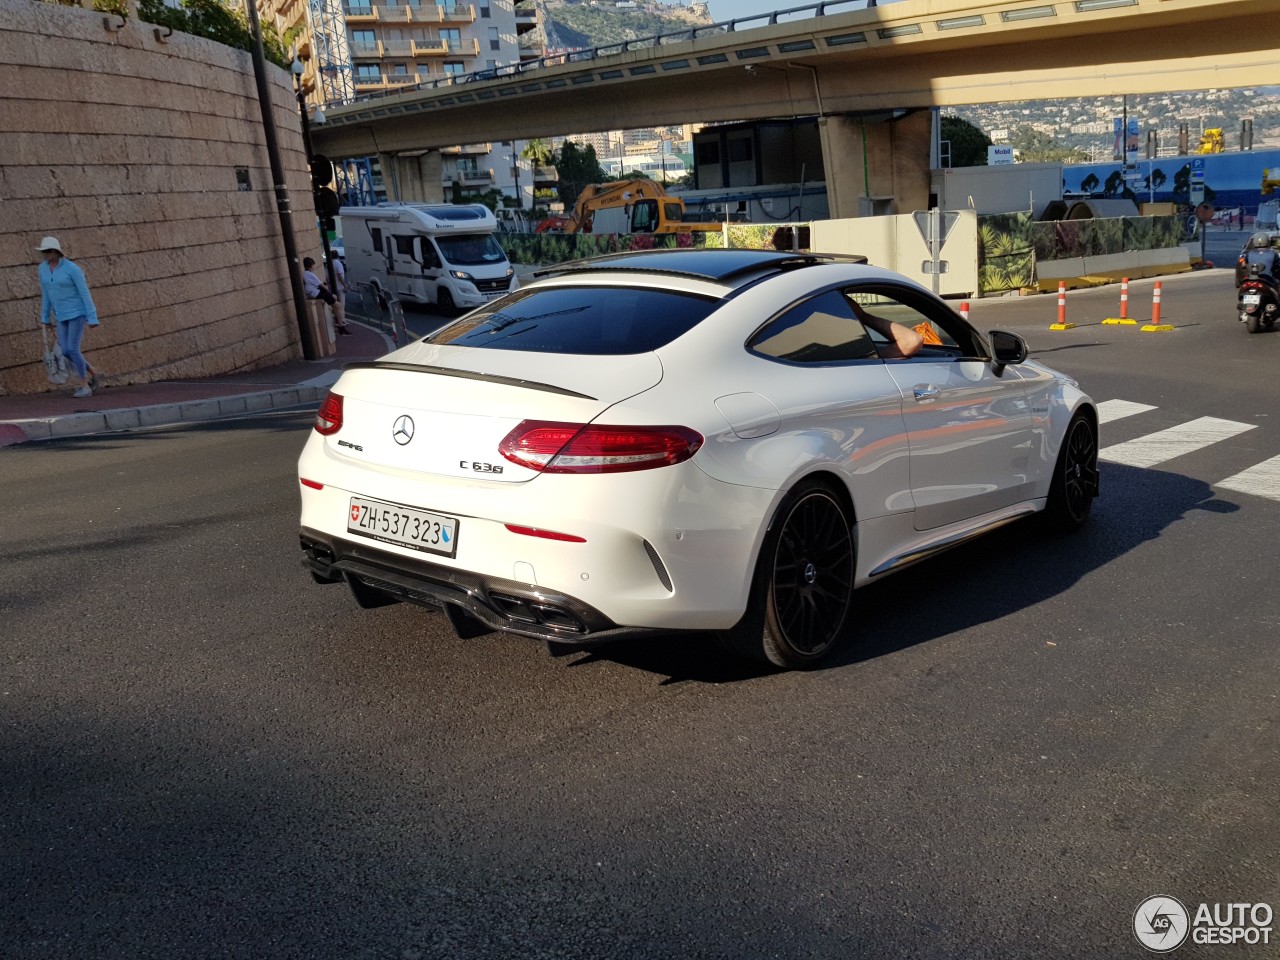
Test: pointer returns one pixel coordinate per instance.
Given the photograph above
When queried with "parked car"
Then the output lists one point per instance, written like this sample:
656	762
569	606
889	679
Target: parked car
702	440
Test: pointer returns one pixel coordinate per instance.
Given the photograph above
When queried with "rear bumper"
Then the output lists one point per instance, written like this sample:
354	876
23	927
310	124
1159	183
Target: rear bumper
496	603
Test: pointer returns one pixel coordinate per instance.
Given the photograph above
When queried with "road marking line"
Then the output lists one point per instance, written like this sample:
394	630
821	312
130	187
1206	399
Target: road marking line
1176	441
1260	480
1110	410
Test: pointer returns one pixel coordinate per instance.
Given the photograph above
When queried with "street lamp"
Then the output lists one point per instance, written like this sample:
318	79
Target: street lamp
297	69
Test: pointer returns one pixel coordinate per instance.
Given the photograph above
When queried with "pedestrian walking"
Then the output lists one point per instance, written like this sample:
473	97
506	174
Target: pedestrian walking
340	289
66	304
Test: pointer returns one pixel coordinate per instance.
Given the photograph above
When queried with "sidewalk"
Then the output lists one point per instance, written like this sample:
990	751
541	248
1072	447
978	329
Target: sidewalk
56	414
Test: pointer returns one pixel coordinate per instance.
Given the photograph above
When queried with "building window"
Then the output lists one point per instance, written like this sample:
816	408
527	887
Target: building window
453	69
495	39
368	71
363	37
484	12
400	70
452	39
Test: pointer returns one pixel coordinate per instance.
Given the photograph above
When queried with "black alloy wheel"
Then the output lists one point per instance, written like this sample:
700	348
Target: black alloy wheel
812	575
802	587
1075	481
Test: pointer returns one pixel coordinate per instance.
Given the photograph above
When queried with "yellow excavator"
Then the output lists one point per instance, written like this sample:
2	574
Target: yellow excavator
625	206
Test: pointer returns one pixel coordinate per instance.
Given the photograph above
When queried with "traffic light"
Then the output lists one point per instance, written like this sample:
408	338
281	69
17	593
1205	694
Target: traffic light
321	171
327	204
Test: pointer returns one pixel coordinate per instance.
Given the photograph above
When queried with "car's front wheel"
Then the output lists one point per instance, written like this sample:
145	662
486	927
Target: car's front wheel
1075	477
803	583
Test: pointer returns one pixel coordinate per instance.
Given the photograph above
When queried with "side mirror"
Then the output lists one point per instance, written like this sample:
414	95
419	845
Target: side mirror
1007	348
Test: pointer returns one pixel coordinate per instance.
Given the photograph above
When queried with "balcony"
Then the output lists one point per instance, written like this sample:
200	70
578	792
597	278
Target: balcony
430	48
361	13
367	51
546	175
467	47
400	49
471	178
374	83
457	13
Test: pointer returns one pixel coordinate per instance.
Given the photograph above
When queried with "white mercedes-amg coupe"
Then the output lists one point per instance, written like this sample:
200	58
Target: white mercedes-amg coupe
706	440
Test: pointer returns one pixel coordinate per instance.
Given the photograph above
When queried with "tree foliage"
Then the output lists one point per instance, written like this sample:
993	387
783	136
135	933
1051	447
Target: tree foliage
1033	146
577	166
210	19
968	142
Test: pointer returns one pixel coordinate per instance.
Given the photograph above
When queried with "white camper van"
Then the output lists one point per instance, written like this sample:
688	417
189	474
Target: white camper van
428	252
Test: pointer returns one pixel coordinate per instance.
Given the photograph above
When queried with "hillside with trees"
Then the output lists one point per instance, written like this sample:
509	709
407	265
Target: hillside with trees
571	24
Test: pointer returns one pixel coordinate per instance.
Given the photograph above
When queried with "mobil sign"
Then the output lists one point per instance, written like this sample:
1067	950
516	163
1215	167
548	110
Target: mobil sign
999	156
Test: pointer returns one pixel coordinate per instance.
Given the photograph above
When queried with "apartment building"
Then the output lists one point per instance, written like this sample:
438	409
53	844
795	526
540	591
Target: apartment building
390	44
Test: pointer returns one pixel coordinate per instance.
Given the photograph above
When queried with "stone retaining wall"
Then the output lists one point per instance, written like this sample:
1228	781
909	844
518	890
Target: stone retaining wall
126	148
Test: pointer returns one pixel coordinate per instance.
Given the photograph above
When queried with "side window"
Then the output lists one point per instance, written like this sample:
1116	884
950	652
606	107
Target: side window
819	331
377	239
945	335
429	258
643	215
404	245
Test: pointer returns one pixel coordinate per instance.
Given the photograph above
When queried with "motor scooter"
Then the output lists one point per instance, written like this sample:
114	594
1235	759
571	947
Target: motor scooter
1259	297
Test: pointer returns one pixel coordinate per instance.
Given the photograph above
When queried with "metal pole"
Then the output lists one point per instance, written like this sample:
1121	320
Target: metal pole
310	349
935	246
306	145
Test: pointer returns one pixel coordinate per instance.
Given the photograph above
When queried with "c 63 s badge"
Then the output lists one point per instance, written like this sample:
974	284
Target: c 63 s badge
479	467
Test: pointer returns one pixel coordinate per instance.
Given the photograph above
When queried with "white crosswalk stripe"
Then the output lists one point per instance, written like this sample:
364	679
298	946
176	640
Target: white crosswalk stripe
1177	441
1112	410
1260	480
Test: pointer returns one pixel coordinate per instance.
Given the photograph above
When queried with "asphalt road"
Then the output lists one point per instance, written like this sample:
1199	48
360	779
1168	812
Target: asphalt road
207	756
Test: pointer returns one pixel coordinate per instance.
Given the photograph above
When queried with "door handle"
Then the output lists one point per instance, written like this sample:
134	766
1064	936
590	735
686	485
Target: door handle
924	392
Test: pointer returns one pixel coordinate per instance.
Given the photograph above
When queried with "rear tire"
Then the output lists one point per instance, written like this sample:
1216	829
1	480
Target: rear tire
1075	477
1253	324
802	587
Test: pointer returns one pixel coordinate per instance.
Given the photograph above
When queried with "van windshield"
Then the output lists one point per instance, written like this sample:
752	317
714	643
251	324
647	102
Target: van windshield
470	249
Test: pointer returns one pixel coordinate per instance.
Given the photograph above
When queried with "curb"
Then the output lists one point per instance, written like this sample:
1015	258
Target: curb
163	414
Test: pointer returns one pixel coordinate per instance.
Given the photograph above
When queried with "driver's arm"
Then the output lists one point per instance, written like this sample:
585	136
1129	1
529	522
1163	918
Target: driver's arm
903	341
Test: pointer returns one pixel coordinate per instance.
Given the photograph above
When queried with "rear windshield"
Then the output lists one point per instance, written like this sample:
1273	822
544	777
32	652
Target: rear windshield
591	320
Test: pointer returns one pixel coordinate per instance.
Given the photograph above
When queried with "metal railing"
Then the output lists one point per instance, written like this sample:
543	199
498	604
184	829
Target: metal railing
379	309
808	11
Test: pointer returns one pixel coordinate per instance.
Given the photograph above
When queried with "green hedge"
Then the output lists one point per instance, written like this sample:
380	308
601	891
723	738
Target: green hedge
210	19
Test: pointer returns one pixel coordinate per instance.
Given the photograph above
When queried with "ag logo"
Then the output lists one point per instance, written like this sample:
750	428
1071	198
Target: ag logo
1161	923
402	430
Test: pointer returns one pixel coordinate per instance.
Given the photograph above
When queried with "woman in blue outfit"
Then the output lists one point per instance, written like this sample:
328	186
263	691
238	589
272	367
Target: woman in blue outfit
65	302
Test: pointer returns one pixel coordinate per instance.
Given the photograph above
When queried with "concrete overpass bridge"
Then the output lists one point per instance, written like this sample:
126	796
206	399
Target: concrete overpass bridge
866	73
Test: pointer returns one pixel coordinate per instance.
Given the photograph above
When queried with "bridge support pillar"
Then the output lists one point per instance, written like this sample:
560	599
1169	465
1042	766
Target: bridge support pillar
413	179
876	164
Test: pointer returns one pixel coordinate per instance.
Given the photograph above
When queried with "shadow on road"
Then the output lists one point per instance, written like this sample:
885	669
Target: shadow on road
1008	571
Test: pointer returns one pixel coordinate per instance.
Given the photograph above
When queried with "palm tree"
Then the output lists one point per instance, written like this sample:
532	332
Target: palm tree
537	150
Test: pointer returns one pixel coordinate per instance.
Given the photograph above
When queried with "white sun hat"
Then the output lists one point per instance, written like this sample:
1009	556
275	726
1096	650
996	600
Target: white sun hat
49	243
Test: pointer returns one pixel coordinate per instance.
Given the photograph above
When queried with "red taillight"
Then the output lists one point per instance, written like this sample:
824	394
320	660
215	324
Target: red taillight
596	448
544	534
329	416
310	483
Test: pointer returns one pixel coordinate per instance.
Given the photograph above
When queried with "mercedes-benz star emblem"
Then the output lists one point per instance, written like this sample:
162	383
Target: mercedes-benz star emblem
402	429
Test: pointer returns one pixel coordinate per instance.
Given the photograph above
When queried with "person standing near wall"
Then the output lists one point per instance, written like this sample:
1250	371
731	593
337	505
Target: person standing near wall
339	292
65	302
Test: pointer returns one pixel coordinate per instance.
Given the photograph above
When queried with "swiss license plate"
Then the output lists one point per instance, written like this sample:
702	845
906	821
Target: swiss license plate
1252	299
403	526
